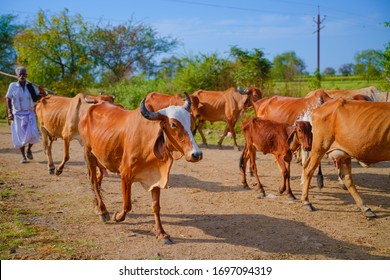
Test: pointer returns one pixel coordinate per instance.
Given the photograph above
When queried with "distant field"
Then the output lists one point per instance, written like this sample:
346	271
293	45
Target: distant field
301	87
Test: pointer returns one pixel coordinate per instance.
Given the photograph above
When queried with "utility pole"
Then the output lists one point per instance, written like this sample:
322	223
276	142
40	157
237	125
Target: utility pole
319	21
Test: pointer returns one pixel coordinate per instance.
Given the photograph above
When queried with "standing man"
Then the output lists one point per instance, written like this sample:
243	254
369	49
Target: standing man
21	96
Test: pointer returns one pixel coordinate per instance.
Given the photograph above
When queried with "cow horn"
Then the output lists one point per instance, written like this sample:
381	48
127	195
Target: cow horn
187	104
241	91
89	100
148	114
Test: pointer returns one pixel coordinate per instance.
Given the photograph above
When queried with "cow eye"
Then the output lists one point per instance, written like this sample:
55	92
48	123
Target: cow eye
173	125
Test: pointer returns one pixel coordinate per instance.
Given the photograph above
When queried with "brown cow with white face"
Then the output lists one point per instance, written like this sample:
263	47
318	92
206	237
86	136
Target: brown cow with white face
279	139
140	145
156	101
59	117
345	129
224	106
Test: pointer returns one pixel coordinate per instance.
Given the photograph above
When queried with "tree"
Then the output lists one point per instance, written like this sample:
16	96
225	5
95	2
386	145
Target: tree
329	71
208	72
386	56
55	53
347	69
287	65
368	63
168	67
124	50
253	69
8	30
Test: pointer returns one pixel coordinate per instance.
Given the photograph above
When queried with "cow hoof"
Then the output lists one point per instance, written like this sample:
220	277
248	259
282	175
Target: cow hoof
368	213
246	187
105	217
118	220
261	195
167	241
58	172
52	170
309	207
282	190
291	197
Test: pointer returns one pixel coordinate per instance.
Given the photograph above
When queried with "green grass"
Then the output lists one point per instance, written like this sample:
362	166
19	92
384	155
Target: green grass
24	233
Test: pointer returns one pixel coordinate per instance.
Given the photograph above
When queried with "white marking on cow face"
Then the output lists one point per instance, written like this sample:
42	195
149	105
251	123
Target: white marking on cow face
180	114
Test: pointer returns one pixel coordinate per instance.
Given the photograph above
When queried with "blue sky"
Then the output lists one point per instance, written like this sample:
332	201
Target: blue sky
208	26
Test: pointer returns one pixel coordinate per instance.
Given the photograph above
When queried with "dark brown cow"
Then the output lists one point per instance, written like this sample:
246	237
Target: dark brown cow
286	109
345	129
156	101
279	139
224	106
59	117
140	146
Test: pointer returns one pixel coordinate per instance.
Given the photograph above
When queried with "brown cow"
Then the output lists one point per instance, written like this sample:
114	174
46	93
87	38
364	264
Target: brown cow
225	106
139	145
372	93
279	139
59	117
345	129
286	109
156	101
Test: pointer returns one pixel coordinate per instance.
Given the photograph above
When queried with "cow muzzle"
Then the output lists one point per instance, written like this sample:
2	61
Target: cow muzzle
196	156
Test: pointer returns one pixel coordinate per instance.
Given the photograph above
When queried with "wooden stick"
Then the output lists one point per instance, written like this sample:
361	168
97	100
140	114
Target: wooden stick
16	77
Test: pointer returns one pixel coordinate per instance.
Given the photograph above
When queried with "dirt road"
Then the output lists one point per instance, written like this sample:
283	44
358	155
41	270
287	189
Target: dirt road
206	212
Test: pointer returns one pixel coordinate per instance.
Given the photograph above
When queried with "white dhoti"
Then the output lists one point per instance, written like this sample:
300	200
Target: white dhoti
24	129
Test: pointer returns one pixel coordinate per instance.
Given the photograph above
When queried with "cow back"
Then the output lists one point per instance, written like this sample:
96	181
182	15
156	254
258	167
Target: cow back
266	135
119	138
361	129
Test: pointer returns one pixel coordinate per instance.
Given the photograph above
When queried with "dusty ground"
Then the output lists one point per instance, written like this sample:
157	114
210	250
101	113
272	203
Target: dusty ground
206	212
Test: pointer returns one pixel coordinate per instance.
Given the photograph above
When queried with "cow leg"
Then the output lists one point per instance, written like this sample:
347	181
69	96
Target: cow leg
253	167
310	165
284	167
341	183
243	161
233	132
126	194
47	145
100	207
298	155
320	177
60	168
223	136
288	181
200	129
346	175
160	232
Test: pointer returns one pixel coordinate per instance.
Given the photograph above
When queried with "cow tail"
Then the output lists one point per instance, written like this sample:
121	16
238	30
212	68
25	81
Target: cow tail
196	127
242	158
45	139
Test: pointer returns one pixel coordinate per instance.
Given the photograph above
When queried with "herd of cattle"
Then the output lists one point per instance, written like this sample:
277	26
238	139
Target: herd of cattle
141	144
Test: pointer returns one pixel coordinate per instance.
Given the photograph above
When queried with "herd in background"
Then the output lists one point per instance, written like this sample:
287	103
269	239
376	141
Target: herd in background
141	144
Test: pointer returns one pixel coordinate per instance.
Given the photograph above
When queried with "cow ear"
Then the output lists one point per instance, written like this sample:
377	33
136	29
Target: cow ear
159	147
291	133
